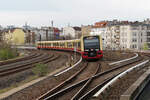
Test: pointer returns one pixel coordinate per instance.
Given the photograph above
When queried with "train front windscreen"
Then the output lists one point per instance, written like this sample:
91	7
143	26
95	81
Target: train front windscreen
91	42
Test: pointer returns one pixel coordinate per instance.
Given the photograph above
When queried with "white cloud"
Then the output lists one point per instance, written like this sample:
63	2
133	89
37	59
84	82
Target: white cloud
75	12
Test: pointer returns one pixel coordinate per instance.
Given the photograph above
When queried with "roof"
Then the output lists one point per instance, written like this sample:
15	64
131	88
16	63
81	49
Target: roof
77	28
98	26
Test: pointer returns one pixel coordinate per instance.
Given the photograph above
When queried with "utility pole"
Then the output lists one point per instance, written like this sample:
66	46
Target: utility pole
52	35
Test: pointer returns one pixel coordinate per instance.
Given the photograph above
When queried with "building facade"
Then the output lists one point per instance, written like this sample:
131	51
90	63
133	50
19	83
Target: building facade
86	30
133	36
72	32
14	36
122	35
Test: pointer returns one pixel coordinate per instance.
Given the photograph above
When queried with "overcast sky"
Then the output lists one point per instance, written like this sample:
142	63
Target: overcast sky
76	12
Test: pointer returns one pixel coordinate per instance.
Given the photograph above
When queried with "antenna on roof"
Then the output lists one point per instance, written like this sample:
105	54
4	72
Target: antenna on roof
52	23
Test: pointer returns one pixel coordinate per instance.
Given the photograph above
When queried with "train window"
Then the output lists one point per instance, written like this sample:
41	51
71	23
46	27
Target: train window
91	42
74	44
62	44
49	44
57	44
54	44
69	44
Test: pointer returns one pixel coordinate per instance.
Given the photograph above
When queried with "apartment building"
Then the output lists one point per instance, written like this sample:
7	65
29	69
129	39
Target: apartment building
110	32
112	37
15	36
72	32
148	36
133	36
122	35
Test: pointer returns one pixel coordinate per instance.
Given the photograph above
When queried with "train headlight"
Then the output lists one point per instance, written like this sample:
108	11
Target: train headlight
96	49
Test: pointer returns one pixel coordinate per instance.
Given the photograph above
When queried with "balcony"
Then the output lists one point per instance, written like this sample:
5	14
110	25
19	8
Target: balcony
148	33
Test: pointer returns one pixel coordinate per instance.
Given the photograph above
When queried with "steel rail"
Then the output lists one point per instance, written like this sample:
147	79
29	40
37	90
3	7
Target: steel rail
58	87
23	63
136	55
28	66
79	93
18	59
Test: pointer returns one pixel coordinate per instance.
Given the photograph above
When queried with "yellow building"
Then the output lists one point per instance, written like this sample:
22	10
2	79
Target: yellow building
14	36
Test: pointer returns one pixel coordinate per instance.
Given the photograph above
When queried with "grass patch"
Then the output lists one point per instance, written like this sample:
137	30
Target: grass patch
40	69
6	52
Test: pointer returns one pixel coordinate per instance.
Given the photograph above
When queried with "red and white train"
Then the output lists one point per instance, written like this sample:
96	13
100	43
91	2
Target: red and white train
90	47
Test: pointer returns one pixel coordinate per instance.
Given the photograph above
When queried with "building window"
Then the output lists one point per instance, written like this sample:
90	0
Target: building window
134	46
148	33
134	40
134	33
134	28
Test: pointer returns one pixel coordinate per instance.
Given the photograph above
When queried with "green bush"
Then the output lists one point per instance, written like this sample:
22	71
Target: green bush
7	53
145	47
40	69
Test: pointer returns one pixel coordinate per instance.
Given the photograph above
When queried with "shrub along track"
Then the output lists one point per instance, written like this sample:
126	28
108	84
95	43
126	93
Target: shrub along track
93	83
30	54
23	65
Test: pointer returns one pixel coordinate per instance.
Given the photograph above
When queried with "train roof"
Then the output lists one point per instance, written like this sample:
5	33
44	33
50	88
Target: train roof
58	41
65	40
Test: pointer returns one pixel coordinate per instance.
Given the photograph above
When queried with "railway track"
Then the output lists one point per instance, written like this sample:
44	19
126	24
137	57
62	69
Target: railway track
29	56
29	63
83	89
76	77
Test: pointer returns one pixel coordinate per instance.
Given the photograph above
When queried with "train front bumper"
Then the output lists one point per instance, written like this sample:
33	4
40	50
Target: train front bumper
98	55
